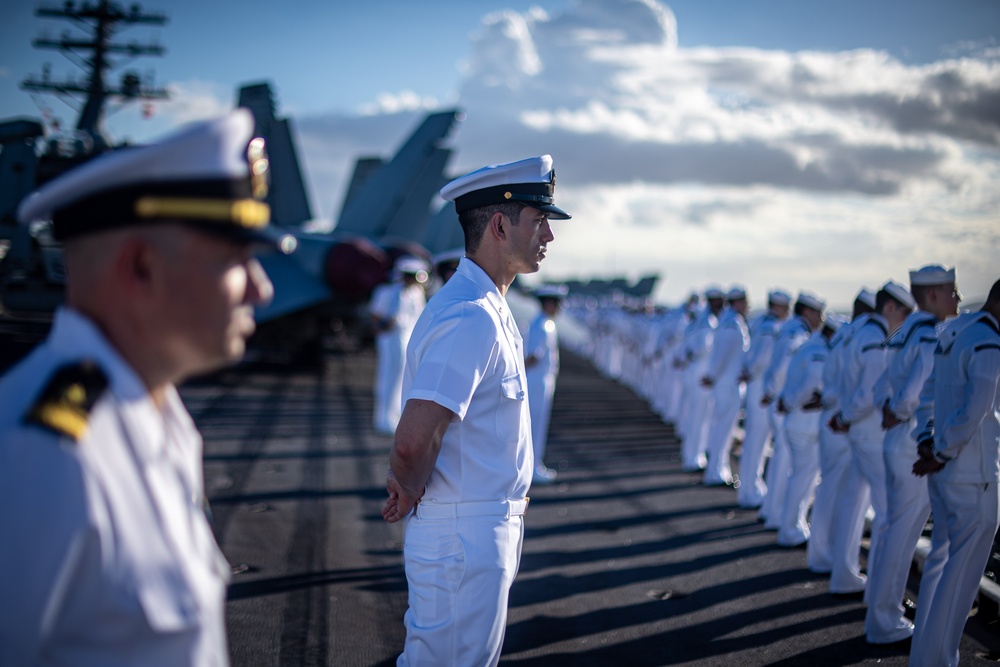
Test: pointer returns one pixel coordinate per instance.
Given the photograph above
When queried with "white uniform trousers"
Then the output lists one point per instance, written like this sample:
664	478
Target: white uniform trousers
908	509
846	527
802	432
719	442
391	352
776	474
698	404
541	389
757	429
834	463
966	518
459	572
867	451
674	394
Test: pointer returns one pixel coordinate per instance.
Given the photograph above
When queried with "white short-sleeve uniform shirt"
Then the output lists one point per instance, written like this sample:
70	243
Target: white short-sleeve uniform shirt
466	355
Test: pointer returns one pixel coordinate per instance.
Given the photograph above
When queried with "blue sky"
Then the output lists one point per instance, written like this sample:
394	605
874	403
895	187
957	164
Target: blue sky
774	143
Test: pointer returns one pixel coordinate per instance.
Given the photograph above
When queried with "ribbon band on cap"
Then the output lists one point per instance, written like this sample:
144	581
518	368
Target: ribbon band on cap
248	213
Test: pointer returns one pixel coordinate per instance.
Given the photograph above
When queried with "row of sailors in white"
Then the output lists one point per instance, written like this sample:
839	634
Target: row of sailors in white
842	408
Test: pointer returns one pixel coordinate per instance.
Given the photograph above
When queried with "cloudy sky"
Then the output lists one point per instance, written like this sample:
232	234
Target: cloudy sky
773	143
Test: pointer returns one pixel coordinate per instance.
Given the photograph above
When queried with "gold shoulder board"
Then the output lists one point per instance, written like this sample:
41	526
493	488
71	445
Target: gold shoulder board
64	405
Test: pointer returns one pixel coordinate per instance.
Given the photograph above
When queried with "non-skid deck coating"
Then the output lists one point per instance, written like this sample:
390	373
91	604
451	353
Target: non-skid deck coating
627	560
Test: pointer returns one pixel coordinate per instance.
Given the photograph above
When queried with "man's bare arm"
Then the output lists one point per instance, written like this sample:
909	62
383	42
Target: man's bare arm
418	442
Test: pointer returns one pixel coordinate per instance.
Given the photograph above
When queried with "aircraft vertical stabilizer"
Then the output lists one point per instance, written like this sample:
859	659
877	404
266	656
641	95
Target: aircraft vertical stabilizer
397	183
413	216
287	197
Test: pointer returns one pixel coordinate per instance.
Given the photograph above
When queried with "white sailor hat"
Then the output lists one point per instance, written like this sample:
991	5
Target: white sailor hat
736	292
779	297
933	274
449	256
211	175
557	292
713	292
867	297
811	300
410	264
531	182
900	294
834	322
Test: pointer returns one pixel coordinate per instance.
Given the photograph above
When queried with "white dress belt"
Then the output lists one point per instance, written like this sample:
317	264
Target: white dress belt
502	508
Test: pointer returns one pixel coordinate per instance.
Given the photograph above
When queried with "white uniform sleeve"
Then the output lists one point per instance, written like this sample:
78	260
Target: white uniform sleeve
861	402
904	402
448	363
983	370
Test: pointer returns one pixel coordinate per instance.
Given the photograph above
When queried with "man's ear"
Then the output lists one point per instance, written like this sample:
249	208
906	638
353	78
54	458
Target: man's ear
498	225
134	265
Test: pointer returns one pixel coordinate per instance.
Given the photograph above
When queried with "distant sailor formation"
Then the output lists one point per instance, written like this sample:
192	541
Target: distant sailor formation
893	415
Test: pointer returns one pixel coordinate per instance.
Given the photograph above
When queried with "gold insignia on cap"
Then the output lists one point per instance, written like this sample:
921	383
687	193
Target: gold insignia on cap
64	405
259	167
248	213
507	195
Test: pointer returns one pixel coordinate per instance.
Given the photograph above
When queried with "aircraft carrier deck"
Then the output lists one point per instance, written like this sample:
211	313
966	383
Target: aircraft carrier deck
627	560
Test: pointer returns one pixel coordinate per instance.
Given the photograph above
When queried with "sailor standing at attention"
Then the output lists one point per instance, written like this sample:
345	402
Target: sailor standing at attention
910	354
861	419
834	465
697	411
729	348
462	460
541	363
757	425
807	318
959	435
394	310
107	557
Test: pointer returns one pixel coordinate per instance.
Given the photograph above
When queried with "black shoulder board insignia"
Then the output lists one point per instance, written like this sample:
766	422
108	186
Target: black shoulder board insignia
64	405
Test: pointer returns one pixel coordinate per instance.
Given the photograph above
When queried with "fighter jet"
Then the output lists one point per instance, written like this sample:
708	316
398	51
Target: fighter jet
326	283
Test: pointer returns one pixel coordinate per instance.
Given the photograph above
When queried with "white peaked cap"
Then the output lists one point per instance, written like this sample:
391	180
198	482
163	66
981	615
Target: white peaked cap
531	182
552	292
932	274
211	174
410	264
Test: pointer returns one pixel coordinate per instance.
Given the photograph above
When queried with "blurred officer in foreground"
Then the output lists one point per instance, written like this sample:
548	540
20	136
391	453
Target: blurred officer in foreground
959	450
910	353
394	310
462	461
106	556
541	363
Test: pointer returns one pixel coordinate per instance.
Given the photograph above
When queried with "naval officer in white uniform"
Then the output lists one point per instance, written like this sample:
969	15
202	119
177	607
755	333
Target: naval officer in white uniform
462	460
959	436
106	555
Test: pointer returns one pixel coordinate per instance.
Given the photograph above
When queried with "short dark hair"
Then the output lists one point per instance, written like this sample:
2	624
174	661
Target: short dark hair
474	221
994	295
882	297
920	293
860	308
798	308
